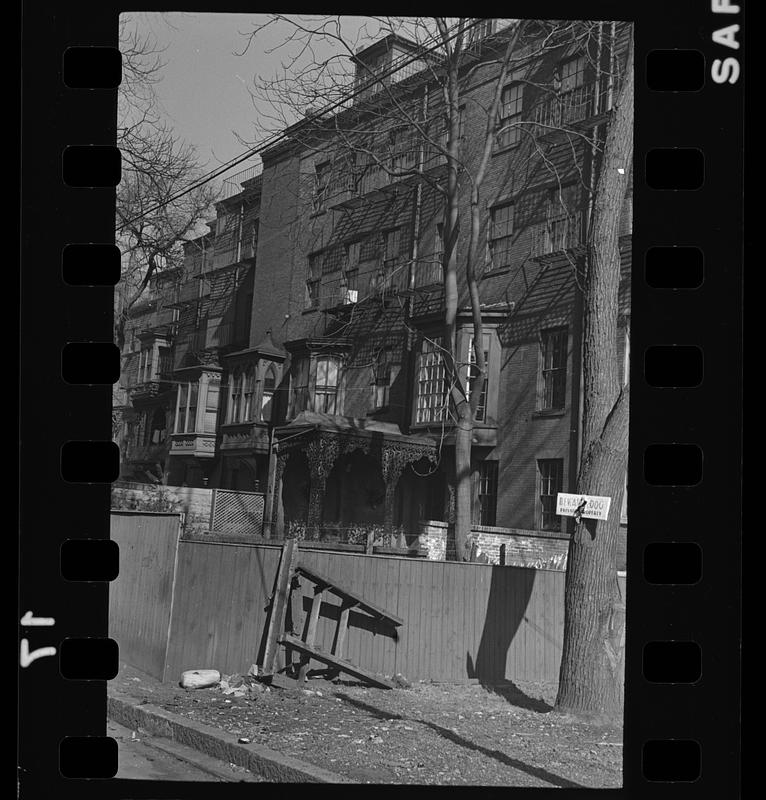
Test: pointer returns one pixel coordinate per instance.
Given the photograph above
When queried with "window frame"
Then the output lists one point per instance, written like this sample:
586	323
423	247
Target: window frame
430	370
553	375
493	229
487	477
511	137
544	516
322	171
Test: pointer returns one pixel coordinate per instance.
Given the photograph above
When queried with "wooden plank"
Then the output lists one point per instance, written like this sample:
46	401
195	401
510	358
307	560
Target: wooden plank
279	604
337	663
313	574
339	642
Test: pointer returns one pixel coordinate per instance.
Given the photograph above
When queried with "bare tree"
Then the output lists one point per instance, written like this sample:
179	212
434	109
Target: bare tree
591	674
155	212
400	126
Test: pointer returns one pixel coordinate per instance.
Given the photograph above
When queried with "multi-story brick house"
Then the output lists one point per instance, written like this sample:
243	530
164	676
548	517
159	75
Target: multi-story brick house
351	287
334	401
176	341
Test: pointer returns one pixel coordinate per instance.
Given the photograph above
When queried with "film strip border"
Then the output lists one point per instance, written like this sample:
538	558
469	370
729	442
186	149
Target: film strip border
684	551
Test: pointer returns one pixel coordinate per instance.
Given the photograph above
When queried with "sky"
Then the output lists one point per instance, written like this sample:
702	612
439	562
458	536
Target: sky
204	85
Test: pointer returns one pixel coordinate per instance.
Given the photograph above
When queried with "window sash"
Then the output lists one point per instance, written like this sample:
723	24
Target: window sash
481	408
487	492
431	400
510	114
554	368
501	235
550	475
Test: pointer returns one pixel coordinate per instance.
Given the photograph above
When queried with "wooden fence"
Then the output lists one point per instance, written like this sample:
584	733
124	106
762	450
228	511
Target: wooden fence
141	597
462	622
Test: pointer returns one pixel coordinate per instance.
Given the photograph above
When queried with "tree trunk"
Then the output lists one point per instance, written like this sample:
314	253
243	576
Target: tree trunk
590	677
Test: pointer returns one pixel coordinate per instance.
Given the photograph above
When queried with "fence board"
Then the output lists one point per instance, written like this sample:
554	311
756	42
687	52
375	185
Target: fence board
141	596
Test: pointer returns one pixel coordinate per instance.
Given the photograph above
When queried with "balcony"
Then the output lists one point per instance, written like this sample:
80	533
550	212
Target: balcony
566	109
236	183
559	232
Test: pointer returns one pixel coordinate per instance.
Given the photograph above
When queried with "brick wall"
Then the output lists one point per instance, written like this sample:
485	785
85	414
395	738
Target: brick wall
193	503
509	546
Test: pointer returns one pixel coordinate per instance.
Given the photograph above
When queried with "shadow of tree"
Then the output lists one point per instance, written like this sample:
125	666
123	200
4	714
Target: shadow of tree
497	755
515	697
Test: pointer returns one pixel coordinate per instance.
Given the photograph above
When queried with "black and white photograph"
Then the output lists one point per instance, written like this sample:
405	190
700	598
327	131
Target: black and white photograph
374	320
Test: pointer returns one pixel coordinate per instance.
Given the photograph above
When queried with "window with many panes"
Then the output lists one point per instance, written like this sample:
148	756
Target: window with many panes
553	362
326	387
573	95
550	473
500	236
431	385
487	492
510	115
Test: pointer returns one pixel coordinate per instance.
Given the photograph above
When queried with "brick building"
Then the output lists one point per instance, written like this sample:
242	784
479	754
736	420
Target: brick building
327	388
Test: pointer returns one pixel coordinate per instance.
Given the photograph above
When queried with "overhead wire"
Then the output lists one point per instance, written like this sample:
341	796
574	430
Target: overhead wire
276	138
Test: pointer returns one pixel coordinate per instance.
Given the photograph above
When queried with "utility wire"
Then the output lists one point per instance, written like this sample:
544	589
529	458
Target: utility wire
405	61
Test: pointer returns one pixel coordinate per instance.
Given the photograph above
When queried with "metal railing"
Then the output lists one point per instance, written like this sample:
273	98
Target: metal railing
233	184
560	232
562	109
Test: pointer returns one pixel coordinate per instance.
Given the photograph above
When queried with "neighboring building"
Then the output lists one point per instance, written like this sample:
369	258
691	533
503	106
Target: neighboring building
330	395
176	341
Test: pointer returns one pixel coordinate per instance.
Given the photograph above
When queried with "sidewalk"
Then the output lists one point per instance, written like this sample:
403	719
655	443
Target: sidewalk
339	733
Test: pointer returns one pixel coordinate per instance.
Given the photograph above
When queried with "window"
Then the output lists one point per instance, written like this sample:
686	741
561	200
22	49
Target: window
550	474
431	386
158	427
267	397
313	280
573	94
326	388
554	368
235	397
186	408
299	387
500	236
146	365
211	409
247	395
481	408
487	492
321	178
481	28
510	115
381	377
369	248
404	152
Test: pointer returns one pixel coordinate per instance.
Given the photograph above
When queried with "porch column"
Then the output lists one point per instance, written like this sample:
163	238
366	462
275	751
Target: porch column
276	527
321	454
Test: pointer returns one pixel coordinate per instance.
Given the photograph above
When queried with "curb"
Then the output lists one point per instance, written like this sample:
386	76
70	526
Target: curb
269	764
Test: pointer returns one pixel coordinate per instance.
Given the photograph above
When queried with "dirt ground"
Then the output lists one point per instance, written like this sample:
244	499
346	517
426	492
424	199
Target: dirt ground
423	734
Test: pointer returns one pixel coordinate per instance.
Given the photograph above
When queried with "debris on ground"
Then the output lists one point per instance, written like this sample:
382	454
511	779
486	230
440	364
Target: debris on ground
199	678
431	734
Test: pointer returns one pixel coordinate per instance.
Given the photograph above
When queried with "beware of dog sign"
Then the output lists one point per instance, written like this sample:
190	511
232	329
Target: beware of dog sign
582	505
